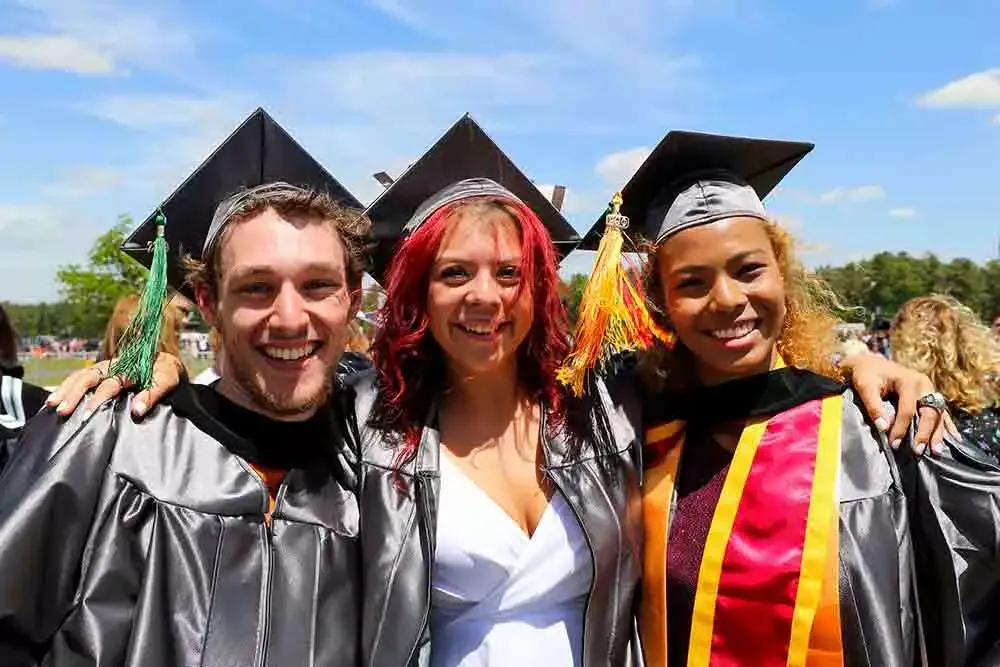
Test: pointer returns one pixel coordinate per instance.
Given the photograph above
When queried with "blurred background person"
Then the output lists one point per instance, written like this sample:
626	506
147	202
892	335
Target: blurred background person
213	372
940	337
170	331
19	400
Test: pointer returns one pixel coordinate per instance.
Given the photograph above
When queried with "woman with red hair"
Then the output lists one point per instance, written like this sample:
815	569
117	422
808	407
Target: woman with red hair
515	505
501	517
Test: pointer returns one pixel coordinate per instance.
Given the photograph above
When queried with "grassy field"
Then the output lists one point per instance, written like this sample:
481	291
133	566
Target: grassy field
50	372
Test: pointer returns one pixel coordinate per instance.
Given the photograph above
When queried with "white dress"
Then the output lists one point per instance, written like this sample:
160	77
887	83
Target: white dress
501	598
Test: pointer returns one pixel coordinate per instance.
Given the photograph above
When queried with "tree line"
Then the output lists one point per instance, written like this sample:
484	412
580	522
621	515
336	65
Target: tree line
878	285
884	282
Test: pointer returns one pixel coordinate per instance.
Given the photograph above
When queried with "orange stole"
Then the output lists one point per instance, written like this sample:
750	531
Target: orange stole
767	590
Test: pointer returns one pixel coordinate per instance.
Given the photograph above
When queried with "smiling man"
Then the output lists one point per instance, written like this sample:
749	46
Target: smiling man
190	537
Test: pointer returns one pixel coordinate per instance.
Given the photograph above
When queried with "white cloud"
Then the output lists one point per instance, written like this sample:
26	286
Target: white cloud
903	212
862	193
24	221
149	112
101	36
976	91
404	13
574	201
429	84
617	168
56	52
83	181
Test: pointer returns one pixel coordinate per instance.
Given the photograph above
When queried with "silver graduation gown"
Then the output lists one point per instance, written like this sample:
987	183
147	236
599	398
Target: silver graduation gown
128	544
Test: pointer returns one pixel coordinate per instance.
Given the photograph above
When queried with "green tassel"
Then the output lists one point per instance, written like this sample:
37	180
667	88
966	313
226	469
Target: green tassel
139	344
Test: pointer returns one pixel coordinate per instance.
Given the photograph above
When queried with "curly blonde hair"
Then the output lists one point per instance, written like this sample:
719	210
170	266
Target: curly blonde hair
943	339
808	337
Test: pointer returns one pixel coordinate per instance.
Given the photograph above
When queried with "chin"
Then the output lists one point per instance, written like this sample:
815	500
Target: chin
752	362
292	399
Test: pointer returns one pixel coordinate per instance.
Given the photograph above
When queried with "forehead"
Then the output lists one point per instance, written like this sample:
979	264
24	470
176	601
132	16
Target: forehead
480	231
281	244
715	243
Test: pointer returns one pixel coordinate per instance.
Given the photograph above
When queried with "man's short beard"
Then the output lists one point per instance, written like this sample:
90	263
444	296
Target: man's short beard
249	381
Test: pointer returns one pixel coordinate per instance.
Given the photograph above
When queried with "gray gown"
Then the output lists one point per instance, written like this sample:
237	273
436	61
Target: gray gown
145	545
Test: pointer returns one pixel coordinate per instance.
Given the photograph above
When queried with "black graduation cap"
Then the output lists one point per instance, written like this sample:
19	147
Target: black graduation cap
692	178
463	163
259	152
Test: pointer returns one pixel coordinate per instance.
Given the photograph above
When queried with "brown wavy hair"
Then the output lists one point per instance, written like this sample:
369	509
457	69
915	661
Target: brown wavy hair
808	337
943	339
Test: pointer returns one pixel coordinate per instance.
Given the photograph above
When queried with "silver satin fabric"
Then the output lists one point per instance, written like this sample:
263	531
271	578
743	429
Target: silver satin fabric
400	510
701	199
229	207
465	189
129	544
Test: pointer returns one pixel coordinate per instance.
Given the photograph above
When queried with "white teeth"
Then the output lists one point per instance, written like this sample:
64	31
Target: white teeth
481	330
734	332
290	353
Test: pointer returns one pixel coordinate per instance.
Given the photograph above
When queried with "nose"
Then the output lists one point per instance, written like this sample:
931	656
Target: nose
289	314
484	289
728	294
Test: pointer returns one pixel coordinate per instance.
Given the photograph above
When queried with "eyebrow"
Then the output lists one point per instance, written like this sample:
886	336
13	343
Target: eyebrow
264	270
694	268
445	259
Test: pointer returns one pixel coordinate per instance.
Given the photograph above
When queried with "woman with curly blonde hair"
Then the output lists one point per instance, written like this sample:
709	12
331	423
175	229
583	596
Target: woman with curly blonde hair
942	338
776	527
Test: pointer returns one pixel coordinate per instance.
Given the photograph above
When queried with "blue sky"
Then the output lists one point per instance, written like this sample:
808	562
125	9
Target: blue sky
105	105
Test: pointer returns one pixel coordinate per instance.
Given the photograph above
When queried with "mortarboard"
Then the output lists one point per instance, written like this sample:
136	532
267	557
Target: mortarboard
465	162
258	152
692	179
689	179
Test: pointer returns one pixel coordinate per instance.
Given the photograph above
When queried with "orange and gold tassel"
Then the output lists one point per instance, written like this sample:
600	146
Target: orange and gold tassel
613	317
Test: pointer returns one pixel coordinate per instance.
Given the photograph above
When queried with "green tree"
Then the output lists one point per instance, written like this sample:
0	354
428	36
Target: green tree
91	291
966	282
573	294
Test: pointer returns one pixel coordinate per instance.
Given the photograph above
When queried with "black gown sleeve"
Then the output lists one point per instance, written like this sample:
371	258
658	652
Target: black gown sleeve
50	494
954	502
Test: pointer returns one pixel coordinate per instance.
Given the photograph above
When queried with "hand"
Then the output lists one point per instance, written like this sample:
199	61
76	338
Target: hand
874	378
167	373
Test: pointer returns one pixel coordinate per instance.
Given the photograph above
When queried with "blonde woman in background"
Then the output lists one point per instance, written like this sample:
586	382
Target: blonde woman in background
942	338
170	332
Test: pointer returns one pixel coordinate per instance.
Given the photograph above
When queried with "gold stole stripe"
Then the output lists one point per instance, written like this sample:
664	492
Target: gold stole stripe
657	509
822	520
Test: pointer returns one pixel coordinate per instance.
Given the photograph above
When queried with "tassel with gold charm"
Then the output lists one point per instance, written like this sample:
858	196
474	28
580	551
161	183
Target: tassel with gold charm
613	317
139	343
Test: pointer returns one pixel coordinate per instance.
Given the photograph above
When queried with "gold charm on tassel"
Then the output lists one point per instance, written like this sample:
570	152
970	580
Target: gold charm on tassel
613	317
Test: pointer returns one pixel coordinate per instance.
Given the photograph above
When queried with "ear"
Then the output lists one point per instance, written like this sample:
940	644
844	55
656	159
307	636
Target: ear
206	304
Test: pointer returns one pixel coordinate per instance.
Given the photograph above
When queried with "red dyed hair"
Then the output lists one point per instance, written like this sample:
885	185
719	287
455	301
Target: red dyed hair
411	365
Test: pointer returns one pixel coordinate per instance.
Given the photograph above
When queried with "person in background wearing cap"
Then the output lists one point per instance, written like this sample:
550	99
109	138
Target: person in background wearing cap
223	528
496	505
777	518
